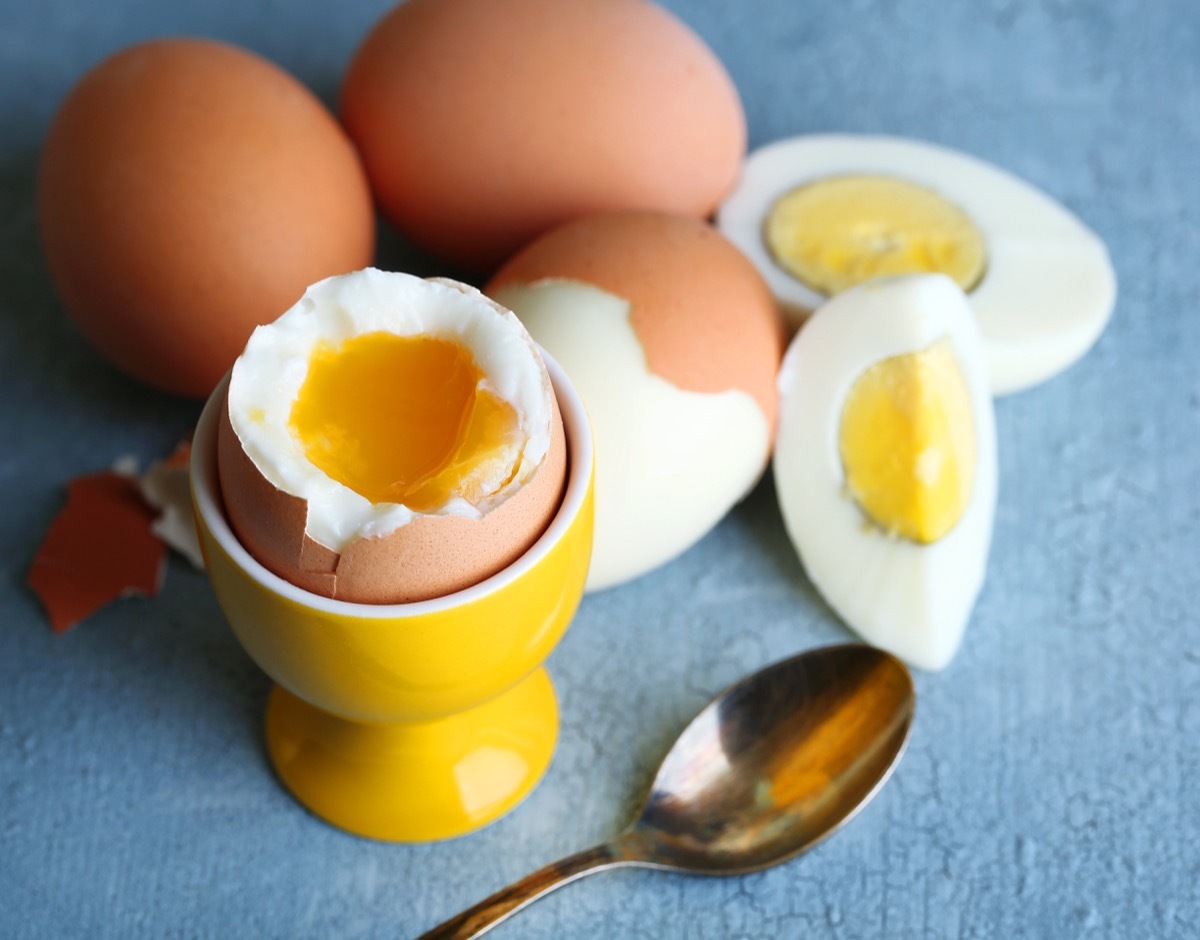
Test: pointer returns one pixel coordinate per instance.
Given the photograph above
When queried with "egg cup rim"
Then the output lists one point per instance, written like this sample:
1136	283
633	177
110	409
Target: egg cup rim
210	510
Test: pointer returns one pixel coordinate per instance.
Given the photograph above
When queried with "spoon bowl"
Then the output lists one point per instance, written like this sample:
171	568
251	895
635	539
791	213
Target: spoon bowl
765	771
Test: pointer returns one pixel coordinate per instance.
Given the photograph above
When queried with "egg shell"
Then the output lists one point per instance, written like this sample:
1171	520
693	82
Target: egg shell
100	547
703	314
430	557
188	191
482	123
673	341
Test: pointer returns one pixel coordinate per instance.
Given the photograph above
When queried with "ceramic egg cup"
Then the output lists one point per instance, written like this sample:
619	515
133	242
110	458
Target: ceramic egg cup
408	722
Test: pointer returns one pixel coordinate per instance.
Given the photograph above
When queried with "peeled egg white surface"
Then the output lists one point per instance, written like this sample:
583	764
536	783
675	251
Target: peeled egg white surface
1049	287
669	463
267	377
910	599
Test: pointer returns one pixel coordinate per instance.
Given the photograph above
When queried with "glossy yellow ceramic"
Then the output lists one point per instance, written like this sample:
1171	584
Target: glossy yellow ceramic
408	722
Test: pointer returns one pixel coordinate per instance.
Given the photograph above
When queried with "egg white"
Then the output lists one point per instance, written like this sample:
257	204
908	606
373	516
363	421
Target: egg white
913	600
267	378
1049	287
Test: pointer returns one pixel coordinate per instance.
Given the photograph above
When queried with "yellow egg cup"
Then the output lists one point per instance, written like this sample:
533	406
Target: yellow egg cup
408	722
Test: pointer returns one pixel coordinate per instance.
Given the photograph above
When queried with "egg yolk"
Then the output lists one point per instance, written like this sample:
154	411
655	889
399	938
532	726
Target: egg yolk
838	232
907	443
404	419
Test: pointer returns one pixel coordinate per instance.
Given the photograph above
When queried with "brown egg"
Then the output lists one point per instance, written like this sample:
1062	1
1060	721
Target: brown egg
435	553
673	340
482	123
188	191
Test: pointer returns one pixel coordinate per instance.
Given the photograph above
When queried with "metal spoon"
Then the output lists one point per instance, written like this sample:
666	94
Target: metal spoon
770	767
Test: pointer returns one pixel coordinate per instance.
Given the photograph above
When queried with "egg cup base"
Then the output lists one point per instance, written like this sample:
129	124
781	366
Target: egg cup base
415	781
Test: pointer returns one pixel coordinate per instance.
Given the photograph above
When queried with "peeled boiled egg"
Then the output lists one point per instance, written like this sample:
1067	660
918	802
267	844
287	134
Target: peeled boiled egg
819	214
390	439
673	341
188	191
483	123
885	461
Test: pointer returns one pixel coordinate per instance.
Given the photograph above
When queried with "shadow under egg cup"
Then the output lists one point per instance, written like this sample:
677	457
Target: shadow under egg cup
408	722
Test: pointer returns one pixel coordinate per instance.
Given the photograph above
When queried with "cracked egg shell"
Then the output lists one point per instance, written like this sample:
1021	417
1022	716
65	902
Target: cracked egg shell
374	551
673	341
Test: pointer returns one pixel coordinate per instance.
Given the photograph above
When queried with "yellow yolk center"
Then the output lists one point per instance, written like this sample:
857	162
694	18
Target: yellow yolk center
403	419
907	443
838	232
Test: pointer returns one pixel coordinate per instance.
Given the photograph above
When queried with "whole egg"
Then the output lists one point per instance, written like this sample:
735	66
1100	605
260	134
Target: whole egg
482	123
673	340
189	191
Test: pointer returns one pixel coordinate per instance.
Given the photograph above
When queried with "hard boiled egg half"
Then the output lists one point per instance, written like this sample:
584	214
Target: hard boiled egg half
885	461
390	439
819	214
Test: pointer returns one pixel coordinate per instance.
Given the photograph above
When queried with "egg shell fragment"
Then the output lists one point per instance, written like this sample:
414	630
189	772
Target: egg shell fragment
98	548
910	599
1049	287
673	341
483	123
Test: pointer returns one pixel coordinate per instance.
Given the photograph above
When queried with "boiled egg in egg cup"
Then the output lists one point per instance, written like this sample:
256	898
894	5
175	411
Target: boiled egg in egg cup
428	716
821	213
885	461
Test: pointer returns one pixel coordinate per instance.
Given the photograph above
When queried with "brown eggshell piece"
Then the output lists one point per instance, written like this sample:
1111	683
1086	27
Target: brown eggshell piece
430	557
98	548
705	317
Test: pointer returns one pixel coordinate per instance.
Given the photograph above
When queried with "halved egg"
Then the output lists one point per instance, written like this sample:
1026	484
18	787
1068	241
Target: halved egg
390	439
885	461
819	214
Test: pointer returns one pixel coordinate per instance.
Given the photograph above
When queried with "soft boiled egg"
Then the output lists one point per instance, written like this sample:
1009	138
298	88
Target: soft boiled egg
390	439
673	341
885	461
819	214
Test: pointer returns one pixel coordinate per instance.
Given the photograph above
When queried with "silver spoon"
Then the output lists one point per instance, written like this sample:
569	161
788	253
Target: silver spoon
770	767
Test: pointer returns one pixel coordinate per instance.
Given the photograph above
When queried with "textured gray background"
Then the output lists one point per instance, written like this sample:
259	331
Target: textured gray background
1051	786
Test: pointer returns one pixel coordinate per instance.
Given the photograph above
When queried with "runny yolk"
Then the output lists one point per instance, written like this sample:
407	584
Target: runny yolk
403	419
834	233
907	443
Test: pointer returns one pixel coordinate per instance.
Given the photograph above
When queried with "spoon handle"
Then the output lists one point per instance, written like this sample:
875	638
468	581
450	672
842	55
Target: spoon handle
490	911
